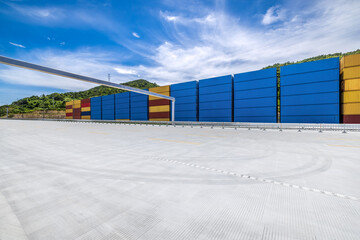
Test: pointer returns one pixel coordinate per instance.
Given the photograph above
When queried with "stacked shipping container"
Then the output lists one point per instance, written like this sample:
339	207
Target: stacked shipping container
310	92
108	107
77	109
159	108
255	96
122	106
138	106
69	110
96	112
186	103
85	108
215	99
350	96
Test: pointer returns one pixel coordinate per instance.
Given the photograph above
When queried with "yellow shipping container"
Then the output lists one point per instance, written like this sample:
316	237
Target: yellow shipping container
85	109
164	90
68	110
351	72
77	101
351	60
85	117
77	106
69	117
351	84
164	108
69	103
351	109
123	119
350	97
159	119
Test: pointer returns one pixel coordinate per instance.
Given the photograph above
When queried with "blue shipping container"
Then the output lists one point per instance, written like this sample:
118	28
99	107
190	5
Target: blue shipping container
139	106
310	92
108	107
255	96
216	99
95	108
122	105
186	100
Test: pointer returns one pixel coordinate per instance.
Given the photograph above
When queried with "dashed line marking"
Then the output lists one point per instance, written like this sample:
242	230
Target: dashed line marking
285	184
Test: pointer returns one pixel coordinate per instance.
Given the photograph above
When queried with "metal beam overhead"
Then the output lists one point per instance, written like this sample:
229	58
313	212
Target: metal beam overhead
31	66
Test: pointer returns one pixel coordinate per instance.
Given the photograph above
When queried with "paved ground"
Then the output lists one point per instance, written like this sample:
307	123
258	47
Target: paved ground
103	181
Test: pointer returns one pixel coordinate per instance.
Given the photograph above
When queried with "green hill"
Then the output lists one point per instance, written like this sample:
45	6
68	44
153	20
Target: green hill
56	101
339	55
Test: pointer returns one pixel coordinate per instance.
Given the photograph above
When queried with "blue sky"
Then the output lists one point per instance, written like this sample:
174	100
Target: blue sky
164	41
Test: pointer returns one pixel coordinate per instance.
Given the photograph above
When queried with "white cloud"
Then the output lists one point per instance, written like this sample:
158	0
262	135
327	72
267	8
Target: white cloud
125	71
40	13
17	45
62	43
210	18
136	35
273	14
171	18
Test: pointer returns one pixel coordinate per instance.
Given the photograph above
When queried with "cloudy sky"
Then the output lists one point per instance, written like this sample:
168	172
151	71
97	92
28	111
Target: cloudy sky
164	41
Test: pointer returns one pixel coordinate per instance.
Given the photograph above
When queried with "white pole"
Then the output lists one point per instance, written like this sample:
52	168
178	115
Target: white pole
173	110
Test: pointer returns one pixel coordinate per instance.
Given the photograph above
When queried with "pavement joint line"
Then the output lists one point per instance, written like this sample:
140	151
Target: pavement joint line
328	193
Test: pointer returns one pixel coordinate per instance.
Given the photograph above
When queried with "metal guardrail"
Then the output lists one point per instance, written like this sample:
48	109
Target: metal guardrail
235	125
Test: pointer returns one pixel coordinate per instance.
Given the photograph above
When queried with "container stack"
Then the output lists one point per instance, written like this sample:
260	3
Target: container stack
69	110
85	108
350	82
186	101
77	109
139	106
310	92
108	107
255	96
95	104
159	108
215	99
122	106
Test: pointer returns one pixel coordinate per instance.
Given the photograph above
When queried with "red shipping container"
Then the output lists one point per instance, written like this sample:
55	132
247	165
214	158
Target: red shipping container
85	105
351	118
85	100
159	115
159	102
69	114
